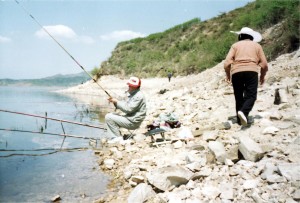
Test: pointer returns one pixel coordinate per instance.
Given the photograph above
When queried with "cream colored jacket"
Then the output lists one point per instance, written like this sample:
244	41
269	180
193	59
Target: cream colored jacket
246	55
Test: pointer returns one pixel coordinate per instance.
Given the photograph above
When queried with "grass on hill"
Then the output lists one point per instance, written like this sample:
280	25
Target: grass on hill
194	46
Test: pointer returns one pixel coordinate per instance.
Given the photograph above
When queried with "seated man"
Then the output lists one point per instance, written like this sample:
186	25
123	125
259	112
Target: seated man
134	109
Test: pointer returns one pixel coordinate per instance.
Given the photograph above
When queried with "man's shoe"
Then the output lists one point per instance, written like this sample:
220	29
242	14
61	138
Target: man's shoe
127	136
115	140
243	118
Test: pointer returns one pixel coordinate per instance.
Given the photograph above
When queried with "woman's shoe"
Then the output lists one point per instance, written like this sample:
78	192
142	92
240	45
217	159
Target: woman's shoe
243	118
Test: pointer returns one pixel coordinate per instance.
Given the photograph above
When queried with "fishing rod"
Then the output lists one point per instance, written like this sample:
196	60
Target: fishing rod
63	48
42	149
57	134
54	150
54	119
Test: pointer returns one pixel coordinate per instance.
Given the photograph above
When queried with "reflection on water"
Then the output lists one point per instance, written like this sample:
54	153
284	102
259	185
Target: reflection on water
97	106
75	176
95	113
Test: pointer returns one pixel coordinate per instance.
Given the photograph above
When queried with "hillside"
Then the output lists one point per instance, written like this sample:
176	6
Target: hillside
56	80
194	46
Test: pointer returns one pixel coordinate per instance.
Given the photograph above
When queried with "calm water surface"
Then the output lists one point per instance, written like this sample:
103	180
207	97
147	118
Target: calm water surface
75	175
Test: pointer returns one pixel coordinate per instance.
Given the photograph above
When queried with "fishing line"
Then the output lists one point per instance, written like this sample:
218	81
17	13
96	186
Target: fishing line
54	150
42	149
62	48
48	133
54	119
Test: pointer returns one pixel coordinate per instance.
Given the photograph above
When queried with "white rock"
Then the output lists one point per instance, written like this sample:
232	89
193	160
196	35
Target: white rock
270	130
165	177
178	144
275	178
210	191
190	158
257	198
218	149
191	184
127	174
174	198
283	96
56	198
276	116
109	163
137	179
185	133
141	193
228	162
132	184
290	200
193	200
296	195
297	140
205	172
264	114
210	135
250	149
195	166
291	171
265	122
250	184
118	154
268	170
296	92
227	191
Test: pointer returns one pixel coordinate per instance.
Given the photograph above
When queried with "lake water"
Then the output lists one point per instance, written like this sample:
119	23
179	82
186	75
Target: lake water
26	177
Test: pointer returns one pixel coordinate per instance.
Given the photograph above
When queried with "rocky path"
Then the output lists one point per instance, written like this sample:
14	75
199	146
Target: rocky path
210	158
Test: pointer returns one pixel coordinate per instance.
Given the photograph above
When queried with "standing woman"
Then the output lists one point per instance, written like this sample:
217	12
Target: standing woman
244	61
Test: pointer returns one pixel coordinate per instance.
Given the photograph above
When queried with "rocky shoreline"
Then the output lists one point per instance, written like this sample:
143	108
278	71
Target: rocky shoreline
209	158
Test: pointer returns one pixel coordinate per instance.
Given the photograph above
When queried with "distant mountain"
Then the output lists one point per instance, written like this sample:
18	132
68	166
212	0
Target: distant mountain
56	80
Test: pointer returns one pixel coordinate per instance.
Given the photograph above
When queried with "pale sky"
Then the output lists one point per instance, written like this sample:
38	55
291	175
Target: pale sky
89	30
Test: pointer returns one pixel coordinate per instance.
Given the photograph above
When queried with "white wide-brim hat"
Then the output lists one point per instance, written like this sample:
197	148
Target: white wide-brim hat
245	30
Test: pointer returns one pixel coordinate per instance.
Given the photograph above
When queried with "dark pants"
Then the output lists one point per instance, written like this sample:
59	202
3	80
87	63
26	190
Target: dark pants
245	91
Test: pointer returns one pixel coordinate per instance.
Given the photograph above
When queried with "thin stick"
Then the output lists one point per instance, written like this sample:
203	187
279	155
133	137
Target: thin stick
64	136
36	132
55	151
46	120
62	47
43	149
54	119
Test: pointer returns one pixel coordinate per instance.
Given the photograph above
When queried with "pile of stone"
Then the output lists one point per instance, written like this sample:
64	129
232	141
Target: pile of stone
222	162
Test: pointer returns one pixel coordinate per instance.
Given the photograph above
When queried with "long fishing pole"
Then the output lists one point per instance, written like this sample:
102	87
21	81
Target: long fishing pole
63	48
54	119
42	149
54	150
45	133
